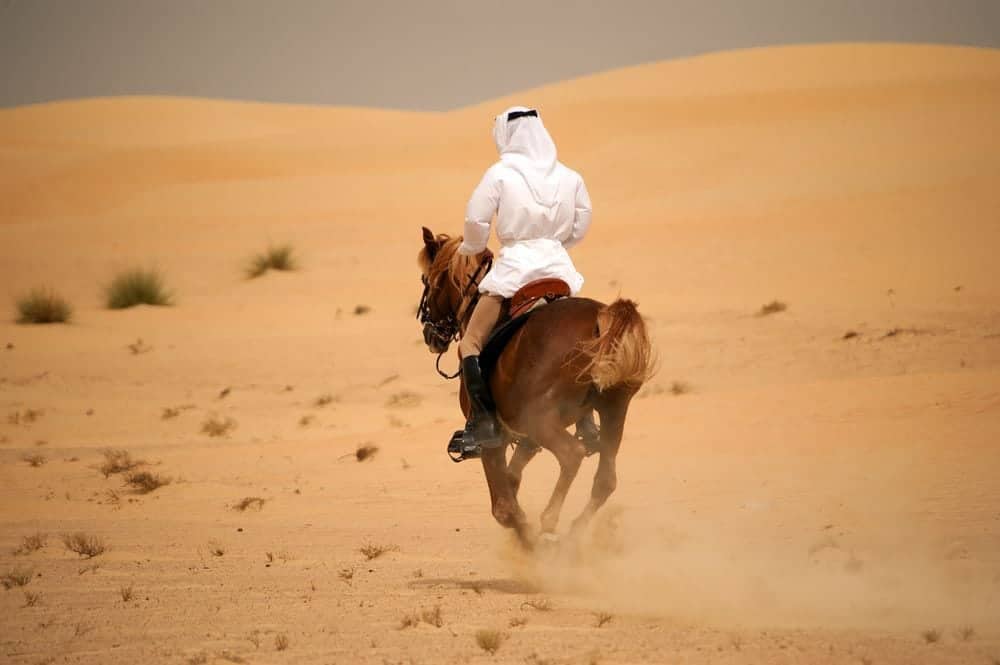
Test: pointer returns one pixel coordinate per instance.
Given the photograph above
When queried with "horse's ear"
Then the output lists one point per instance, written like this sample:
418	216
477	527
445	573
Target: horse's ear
431	242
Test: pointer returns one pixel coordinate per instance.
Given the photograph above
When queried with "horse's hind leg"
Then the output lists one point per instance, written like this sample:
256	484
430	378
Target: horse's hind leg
606	477
569	453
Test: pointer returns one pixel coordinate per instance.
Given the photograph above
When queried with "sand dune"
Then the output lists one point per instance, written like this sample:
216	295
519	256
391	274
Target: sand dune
810	498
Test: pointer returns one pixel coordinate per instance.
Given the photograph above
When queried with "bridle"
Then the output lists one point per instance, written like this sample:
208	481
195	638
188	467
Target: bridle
449	328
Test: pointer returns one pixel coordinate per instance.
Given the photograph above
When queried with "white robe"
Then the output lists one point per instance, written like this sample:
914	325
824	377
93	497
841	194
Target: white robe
542	208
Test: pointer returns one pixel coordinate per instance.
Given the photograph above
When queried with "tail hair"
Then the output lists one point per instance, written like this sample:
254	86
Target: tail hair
621	354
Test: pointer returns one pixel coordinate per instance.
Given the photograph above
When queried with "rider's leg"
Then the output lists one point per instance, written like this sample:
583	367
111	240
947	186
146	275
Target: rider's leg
481	427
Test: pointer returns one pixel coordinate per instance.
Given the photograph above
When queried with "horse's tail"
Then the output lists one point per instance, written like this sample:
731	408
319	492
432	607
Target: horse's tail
621	354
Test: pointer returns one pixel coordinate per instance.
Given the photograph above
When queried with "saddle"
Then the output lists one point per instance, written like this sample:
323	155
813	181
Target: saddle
515	313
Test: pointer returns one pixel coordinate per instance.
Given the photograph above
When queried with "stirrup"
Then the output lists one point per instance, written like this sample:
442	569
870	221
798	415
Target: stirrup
464	444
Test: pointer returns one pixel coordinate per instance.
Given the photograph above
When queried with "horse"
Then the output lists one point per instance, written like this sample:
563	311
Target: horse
571	357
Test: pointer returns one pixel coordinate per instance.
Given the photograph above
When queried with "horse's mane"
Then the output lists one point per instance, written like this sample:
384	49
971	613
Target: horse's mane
447	259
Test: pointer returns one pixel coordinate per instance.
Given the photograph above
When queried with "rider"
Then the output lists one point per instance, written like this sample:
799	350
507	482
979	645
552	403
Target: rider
542	209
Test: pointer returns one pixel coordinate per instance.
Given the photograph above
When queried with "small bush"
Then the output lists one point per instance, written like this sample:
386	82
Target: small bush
34	459
372	551
409	621
43	306
31	543
365	452
281	642
490	640
126	593
84	545
145	482
772	307
216	426
323	400
433	616
966	633
216	548
31	598
16	577
931	636
280	257
255	502
540	604
137	287
603	618
517	622
117	460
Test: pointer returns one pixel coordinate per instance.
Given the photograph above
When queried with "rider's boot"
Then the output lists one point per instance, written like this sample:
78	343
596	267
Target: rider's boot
481	429
588	433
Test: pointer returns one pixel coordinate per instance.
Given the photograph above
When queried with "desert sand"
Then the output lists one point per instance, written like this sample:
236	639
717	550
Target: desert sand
788	492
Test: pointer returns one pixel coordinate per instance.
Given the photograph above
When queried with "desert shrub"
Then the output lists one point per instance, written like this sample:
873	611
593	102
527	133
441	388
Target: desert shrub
365	452
772	307
255	502
34	459
373	551
137	287
85	545
489	640
216	426
31	543
117	460
281	642
16	577
276	257
145	482
43	306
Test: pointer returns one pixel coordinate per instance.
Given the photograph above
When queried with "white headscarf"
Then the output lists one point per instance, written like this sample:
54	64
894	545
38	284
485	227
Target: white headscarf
525	146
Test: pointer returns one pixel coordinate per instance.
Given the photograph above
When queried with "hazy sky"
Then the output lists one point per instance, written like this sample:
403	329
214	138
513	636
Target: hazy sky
435	54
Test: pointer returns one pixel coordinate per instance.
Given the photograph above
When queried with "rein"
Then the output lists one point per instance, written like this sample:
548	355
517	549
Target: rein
449	329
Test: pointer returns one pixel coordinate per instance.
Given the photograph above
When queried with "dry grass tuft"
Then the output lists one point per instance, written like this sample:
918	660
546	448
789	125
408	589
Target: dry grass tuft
32	598
43	306
323	400
680	388
248	502
216	548
215	426
85	545
409	621
281	642
361	310
372	551
170	412
136	287
117	460
432	616
365	452
276	257
772	307
346	574
540	604
602	618
16	577
490	640
144	482
32	543
517	622
126	593
966	633
403	399
931	636
34	459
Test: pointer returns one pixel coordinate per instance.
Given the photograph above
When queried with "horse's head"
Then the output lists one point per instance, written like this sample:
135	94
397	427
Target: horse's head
450	281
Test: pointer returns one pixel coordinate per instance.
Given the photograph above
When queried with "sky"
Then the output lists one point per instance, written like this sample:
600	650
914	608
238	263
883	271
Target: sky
426	55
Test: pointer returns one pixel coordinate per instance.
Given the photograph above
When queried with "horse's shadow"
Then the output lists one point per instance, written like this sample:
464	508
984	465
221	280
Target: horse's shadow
516	587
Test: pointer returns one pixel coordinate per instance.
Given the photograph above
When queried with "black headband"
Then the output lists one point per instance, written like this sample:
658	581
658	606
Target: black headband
514	115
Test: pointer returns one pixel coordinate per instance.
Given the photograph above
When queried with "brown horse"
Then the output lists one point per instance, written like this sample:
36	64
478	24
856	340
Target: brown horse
572	356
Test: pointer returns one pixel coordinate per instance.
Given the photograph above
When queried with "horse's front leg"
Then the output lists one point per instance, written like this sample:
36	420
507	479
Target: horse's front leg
506	509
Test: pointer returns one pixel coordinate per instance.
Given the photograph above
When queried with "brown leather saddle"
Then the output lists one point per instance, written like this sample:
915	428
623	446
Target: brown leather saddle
515	313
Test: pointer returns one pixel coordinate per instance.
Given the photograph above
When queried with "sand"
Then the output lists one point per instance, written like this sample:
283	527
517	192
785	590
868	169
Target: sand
786	494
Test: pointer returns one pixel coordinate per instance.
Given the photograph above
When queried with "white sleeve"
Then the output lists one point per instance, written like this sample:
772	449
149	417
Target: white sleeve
479	213
581	221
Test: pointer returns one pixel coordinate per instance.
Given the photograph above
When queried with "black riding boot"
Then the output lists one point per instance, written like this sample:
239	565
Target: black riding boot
481	429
